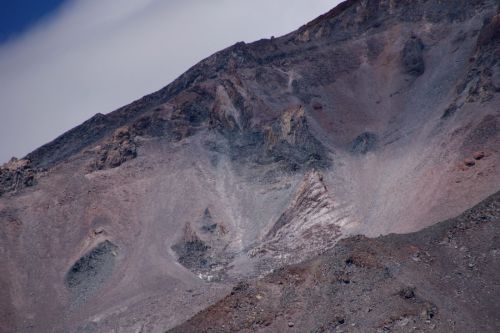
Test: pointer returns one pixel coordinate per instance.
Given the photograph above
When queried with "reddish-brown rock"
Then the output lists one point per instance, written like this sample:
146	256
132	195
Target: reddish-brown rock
479	155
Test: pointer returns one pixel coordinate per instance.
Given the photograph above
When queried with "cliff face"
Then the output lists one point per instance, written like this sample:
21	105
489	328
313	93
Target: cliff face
378	117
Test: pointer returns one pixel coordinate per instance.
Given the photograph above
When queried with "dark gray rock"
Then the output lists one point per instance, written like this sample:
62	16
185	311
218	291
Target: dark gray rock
118	150
364	143
450	111
16	174
92	269
412	56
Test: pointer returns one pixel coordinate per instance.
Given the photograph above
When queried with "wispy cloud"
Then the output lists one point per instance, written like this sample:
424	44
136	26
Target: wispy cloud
97	55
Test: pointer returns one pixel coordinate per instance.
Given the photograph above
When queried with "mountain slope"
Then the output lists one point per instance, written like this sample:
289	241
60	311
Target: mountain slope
441	279
378	117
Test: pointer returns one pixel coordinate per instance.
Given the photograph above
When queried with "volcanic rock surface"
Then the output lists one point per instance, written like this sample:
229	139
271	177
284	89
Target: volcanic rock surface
259	165
441	279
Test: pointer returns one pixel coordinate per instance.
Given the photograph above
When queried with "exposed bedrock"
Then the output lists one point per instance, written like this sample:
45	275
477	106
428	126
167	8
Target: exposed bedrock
113	153
311	223
202	248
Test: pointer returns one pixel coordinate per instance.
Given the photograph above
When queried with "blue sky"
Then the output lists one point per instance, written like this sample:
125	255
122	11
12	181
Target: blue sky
62	63
17	16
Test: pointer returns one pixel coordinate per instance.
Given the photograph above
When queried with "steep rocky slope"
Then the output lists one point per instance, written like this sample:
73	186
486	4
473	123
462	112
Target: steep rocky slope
441	279
378	117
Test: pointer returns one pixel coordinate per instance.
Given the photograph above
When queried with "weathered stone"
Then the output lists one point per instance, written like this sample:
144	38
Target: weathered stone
413	56
479	155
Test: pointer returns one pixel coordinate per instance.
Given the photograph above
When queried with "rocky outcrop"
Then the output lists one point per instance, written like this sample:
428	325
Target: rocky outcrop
289	141
412	56
311	223
191	250
120	149
290	128
284	143
227	114
490	33
202	248
15	175
309	206
482	80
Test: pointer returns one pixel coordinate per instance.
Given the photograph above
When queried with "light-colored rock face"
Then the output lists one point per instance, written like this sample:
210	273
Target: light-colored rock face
363	121
311	224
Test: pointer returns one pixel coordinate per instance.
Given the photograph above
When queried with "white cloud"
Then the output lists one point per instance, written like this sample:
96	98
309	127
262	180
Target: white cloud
97	55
